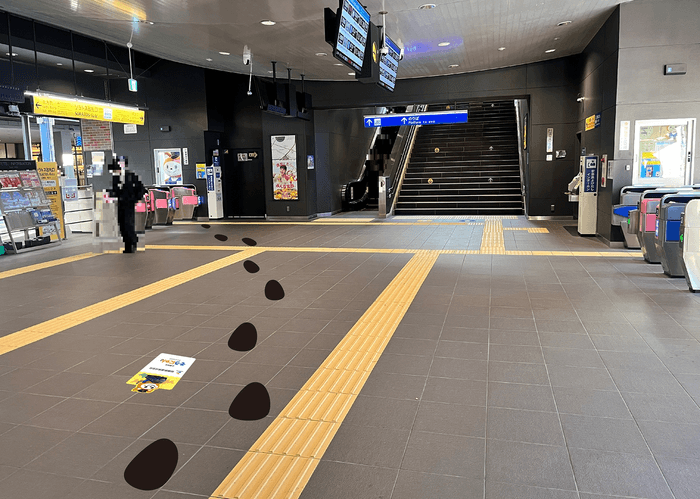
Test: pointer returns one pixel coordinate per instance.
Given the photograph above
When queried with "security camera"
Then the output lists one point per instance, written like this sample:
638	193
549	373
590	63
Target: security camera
247	56
401	54
250	92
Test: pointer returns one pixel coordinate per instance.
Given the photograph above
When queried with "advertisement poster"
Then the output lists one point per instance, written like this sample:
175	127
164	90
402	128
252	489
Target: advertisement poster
48	173
201	170
284	167
624	136
162	372
168	166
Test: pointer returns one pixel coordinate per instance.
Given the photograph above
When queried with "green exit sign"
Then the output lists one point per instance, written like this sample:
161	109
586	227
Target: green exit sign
133	85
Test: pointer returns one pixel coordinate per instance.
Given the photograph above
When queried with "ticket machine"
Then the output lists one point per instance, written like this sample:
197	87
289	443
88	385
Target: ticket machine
690	244
215	199
588	196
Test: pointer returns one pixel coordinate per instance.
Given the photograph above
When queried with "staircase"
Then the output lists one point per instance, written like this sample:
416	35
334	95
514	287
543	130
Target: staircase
474	166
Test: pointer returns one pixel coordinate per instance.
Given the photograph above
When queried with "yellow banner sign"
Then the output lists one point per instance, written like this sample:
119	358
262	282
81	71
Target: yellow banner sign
593	122
50	106
48	173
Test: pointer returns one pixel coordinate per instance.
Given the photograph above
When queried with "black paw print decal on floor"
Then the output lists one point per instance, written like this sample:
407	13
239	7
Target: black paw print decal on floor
154	465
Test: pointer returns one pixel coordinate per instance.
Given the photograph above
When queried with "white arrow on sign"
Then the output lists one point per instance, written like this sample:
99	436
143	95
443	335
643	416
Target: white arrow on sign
403	120
369	122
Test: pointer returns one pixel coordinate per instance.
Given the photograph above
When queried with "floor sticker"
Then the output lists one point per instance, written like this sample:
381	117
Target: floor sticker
251	403
221	237
163	373
249	241
273	290
251	267
244	338
153	466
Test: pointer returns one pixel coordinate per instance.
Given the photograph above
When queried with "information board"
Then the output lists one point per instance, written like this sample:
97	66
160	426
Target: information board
590	175
352	34
389	65
53	106
438	118
48	173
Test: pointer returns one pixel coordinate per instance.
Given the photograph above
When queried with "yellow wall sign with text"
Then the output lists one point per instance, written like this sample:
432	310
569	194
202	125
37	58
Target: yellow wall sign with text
50	106
48	173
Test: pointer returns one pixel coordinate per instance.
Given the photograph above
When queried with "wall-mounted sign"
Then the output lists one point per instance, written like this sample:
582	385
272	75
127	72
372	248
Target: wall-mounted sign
434	118
185	156
624	136
310	162
603	170
243	157
284	167
133	85
168	166
130	128
201	170
48	173
590	176
592	122
52	106
550	139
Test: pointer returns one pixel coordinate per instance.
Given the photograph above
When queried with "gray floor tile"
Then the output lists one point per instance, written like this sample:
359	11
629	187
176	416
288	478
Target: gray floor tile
367	445
394	386
71	414
646	382
462	350
403	364
566	340
657	407
683	476
519	396
242	373
382	412
672	439
128	420
572	357
22	379
524	426
80	455
607	404
206	469
25	483
499	490
510	372
349	481
455	391
581	377
510	353
633	361
189	426
606	434
23	444
620	474
529	464
240	435
105	364
109	388
512	324
445	454
522	338
445	367
437	417
469	335
415	485
21	407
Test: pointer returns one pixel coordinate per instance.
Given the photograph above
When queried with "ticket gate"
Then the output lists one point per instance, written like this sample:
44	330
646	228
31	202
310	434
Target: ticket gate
629	201
668	231
187	200
163	205
690	244
141	216
648	202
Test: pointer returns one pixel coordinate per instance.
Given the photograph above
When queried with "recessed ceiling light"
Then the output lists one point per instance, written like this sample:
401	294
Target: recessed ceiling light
270	71
14	54
351	74
549	51
209	59
267	22
337	64
501	49
427	6
443	44
89	70
225	53
453	66
321	54
556	38
563	23
59	64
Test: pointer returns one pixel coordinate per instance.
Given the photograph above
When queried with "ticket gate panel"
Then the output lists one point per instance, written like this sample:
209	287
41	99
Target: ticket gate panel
690	245
670	210
648	240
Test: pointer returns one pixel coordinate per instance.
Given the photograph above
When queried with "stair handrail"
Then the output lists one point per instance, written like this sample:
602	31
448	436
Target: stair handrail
400	154
521	155
361	177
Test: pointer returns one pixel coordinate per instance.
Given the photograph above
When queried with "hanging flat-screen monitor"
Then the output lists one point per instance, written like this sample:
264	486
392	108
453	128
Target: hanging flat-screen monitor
389	65
353	27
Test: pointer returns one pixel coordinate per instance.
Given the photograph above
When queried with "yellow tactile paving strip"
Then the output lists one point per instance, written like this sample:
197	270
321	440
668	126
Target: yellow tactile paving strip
492	242
45	265
531	230
281	462
72	319
303	249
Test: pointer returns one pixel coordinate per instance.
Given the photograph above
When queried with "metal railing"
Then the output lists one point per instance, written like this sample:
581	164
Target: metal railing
400	154
521	153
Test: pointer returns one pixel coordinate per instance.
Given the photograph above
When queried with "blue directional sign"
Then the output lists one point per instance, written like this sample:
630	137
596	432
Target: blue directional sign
437	118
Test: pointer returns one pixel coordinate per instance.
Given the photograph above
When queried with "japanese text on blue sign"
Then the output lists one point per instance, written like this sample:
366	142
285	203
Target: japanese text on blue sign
438	118
590	179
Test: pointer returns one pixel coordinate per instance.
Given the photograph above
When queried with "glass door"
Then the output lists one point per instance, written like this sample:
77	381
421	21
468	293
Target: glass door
663	152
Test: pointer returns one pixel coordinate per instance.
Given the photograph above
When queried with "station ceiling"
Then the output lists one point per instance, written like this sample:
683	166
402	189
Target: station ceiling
197	31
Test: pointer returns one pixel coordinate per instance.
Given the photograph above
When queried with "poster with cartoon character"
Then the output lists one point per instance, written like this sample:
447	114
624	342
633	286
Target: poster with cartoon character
163	373
168	166
284	167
